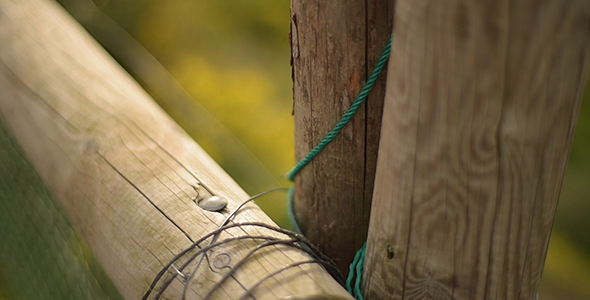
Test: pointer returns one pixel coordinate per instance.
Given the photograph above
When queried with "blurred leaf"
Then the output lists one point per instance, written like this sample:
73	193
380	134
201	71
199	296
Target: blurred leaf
568	266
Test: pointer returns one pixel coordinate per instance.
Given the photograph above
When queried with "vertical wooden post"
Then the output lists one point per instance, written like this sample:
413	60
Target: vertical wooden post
335	45
481	104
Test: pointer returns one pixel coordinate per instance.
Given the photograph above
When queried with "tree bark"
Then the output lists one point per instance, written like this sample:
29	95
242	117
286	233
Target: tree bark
335	45
481	105
127	176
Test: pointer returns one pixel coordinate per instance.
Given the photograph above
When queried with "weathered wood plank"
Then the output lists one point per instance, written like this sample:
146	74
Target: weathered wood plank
335	45
481	105
123	171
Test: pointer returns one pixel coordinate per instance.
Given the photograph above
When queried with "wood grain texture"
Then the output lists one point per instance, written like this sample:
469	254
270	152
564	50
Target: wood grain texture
335	45
122	169
481	104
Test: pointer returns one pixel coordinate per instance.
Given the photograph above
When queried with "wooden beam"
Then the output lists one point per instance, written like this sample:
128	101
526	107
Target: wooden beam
124	172
481	105
335	45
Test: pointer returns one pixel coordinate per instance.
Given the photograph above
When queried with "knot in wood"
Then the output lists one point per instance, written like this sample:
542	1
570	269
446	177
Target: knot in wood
91	146
221	260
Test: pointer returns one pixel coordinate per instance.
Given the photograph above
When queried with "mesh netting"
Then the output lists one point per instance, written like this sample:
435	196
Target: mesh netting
41	257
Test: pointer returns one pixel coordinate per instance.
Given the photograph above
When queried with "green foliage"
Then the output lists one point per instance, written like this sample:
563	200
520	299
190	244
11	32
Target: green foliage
41	257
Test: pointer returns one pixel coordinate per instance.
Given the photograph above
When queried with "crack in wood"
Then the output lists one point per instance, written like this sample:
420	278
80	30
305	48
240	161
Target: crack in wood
146	197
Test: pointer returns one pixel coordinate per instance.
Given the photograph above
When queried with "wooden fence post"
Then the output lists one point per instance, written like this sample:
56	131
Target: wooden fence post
481	104
128	176
335	45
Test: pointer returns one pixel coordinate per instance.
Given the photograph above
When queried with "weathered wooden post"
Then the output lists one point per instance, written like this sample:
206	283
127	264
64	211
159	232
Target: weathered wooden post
335	45
481	104
128	176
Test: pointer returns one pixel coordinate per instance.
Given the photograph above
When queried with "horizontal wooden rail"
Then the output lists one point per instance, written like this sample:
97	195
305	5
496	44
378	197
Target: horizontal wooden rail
124	172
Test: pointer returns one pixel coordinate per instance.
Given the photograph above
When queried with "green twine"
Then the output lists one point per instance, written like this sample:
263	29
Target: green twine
356	273
347	116
356	267
291	210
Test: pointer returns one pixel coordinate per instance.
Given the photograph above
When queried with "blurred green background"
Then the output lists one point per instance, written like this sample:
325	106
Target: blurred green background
232	57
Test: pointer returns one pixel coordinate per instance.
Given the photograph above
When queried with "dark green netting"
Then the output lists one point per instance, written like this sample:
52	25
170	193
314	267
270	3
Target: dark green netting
41	257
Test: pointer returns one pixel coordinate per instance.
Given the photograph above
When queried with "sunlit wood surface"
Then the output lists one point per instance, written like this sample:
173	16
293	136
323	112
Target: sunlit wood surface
123	171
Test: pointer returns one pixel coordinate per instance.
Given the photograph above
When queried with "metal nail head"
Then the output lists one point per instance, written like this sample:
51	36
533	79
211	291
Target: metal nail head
213	203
